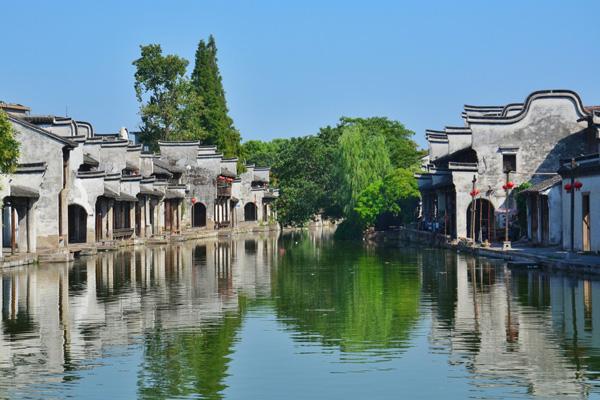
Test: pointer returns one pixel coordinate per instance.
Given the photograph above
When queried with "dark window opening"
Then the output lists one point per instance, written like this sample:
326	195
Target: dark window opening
509	162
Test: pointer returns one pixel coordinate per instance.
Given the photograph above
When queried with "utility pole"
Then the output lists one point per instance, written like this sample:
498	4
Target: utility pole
573	166
507	186
473	208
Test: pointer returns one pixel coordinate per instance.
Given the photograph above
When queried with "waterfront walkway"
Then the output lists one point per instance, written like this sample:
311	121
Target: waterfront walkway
520	254
549	256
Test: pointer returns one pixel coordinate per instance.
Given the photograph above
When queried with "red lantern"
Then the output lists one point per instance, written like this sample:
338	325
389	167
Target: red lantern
194	200
510	185
568	187
578	185
504	187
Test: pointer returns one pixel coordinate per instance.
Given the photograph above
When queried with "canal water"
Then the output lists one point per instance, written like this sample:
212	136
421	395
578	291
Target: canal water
298	316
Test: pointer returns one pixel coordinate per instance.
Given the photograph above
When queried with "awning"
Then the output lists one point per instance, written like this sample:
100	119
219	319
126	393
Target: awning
89	160
227	173
173	194
151	192
108	192
131	166
126	197
22	191
158	170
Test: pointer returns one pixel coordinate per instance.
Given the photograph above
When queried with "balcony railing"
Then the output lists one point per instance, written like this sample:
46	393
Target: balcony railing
223	190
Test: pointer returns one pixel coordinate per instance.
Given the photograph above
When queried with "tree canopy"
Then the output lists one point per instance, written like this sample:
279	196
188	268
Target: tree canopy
360	170
169	108
9	146
207	83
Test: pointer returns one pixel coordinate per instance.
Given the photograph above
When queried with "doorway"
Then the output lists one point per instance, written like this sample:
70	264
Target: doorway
585	211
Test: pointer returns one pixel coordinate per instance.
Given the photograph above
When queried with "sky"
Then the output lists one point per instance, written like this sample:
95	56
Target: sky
291	67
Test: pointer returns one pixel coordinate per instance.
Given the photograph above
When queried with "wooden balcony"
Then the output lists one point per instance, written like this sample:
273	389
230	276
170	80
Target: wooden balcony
223	190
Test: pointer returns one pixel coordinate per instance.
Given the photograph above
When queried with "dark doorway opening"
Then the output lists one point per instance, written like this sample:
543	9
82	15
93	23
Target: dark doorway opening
77	224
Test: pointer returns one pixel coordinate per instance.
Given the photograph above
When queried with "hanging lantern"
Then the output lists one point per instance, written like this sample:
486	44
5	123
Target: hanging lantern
194	200
504	187
568	187
510	185
578	185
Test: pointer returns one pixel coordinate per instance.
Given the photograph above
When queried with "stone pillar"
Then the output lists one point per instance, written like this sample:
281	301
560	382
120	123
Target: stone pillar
109	219
462	204
132	217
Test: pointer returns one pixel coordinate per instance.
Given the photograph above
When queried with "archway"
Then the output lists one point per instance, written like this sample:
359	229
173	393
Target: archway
77	224
198	215
484	221
250	212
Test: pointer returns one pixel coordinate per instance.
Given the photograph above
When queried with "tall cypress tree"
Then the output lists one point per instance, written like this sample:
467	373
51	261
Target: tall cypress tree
206	80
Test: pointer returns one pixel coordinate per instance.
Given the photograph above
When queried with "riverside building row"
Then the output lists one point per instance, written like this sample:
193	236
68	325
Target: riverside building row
545	149
76	189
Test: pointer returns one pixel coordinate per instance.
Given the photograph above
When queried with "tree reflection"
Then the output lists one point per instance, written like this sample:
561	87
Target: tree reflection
348	297
189	363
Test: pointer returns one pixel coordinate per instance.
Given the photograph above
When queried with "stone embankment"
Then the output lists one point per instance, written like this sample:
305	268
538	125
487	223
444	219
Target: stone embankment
68	254
521	255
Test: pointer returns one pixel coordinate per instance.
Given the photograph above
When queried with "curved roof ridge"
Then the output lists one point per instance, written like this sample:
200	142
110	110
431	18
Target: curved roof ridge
539	94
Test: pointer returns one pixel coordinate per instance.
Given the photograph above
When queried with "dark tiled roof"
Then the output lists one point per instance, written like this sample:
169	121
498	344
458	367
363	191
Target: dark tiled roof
89	160
543	185
169	167
49	134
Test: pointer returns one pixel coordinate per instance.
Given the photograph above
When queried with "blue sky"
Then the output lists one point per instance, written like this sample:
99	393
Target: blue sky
292	67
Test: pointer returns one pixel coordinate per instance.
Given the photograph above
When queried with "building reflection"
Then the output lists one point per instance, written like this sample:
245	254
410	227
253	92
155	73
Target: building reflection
527	331
61	318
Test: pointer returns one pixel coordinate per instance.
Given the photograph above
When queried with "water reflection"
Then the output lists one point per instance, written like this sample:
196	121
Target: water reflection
178	314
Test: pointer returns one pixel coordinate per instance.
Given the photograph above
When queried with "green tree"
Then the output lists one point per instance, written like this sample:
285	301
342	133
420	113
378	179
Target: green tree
9	146
396	195
169	108
403	151
208	84
363	158
305	171
263	154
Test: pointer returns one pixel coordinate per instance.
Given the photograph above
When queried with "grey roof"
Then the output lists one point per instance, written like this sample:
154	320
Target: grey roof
161	171
108	192
228	173
126	197
36	128
168	166
151	192
174	194
22	191
89	160
543	185
28	168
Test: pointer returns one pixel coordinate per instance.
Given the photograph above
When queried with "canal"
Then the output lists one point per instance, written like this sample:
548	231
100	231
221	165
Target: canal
296	317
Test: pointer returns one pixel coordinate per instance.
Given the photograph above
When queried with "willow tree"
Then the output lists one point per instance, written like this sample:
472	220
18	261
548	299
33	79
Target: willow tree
362	159
9	146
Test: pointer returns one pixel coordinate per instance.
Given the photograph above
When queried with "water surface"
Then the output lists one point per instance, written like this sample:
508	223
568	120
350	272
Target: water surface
298	316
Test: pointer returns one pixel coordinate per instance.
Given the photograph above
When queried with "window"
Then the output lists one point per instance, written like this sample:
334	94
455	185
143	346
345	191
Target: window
509	162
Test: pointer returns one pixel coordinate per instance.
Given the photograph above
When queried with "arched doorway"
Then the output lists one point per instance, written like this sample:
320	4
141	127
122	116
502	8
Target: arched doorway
250	212
77	224
198	215
483	220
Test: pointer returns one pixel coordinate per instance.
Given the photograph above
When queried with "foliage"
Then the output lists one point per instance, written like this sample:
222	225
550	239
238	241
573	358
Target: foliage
207	83
9	146
362	159
263	154
304	169
327	173
521	206
403	151
397	194
169	109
